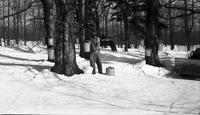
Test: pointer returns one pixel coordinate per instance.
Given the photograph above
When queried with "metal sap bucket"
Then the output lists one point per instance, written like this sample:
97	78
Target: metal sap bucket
51	54
148	52
86	46
110	71
50	41
2	42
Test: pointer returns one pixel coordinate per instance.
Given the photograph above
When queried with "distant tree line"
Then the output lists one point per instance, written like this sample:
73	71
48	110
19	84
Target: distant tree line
21	20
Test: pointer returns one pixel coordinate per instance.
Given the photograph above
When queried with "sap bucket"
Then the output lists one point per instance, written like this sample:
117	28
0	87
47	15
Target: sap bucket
2	42
110	71
51	55
87	46
50	41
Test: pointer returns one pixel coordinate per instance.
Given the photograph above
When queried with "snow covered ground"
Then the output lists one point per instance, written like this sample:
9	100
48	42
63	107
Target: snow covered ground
27	86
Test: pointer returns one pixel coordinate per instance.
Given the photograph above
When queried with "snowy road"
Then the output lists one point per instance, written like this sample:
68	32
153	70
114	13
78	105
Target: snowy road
27	86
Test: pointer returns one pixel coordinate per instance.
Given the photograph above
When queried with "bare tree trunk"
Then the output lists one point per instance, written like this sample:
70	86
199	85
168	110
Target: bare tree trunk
125	20
86	35
126	32
188	29
106	14
151	40
39	23
25	32
34	24
171	27
15	37
8	39
118	40
106	24
18	16
81	26
103	24
186	26
21	27
4	35
199	32
121	33
97	18
86	26
15	22
65	57
49	9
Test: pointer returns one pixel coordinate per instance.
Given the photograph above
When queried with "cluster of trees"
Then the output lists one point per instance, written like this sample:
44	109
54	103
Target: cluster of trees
65	21
21	20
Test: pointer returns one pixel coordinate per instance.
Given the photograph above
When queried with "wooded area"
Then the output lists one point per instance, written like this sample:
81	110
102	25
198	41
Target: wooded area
61	23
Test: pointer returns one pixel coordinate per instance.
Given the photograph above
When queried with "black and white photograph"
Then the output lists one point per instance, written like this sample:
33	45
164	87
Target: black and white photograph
100	57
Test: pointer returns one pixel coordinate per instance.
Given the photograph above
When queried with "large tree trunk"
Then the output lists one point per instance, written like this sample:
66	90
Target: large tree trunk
151	41
65	57
50	20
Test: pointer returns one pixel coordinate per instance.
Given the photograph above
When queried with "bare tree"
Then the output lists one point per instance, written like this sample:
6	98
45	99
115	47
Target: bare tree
187	27
152	33
25	22
171	30
8	39
4	35
49	10
65	57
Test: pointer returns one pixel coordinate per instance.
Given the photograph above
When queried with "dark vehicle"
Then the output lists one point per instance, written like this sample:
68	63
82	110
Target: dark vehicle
108	42
195	54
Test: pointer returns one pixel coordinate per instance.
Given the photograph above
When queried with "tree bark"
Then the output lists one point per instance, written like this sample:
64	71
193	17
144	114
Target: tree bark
25	31
18	21
171	27
121	33
125	18
188	28
8	40
14	25
151	40
49	9
199	32
4	35
117	34
34	24
97	18
81	26
65	57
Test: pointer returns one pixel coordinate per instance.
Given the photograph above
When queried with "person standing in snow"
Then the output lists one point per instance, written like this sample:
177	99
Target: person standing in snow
95	55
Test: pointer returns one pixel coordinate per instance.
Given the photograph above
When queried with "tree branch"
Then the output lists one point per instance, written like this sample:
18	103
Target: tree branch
19	12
